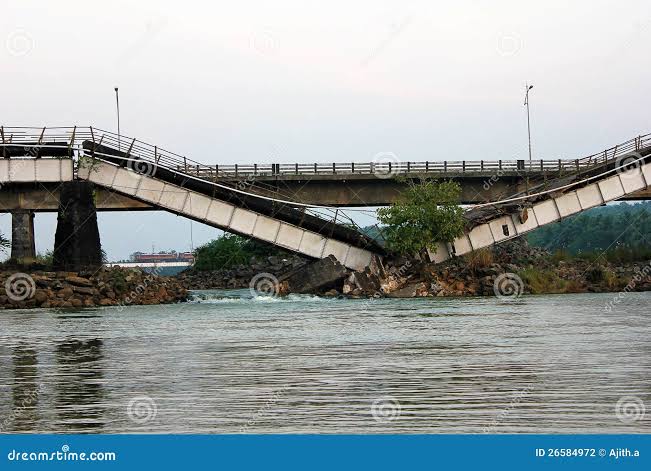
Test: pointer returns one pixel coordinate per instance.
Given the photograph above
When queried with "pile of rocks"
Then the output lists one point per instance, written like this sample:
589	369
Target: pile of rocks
240	276
106	287
511	268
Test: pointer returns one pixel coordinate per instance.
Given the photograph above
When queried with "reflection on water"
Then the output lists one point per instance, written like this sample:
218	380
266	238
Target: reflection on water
229	363
79	398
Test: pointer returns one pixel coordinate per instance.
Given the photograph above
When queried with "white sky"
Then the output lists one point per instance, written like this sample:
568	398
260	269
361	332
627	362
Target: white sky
287	81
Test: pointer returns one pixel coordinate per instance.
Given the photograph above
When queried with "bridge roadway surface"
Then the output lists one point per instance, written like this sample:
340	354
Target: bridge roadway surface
167	181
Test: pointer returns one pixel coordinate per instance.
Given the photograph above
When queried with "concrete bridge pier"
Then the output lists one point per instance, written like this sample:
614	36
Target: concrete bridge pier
23	248
76	242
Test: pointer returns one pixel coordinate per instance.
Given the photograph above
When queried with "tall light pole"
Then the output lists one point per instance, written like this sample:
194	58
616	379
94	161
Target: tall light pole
526	102
117	103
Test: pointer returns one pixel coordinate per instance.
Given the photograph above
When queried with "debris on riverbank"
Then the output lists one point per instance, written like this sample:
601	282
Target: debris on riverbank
24	288
510	269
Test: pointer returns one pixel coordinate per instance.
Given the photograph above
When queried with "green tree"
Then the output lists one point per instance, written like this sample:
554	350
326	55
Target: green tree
429	213
230	250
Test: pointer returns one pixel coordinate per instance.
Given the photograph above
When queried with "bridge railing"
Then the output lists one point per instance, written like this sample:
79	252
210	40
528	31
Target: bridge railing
239	171
71	139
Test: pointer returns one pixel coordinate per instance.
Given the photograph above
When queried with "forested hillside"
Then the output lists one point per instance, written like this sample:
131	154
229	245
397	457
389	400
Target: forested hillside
623	226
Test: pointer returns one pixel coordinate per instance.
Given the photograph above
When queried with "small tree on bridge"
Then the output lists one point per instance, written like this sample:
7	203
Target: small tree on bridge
429	213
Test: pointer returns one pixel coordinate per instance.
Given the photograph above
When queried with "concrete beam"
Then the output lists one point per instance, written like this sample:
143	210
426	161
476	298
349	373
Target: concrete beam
45	198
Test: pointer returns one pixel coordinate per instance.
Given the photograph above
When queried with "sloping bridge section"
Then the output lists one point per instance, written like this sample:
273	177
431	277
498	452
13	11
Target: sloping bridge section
628	171
225	215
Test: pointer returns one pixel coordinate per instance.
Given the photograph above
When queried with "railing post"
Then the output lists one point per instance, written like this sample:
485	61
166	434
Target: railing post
4	149
334	168
255	169
482	165
445	166
72	140
500	164
463	168
185	164
296	168
577	164
427	166
352	167
408	166
542	169
315	169
236	170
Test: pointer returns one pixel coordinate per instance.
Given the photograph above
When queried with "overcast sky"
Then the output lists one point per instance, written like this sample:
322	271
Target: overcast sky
288	81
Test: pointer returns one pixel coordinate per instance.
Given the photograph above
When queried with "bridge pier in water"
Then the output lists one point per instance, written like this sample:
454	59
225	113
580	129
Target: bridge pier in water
23	248
77	244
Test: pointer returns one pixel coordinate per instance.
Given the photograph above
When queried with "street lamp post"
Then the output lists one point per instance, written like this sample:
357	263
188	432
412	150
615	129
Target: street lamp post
526	102
117	103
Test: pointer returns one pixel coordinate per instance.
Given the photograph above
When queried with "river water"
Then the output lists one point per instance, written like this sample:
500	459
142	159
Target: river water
230	363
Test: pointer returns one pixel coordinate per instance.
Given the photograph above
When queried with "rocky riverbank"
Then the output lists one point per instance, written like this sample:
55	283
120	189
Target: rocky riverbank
240	276
510	269
29	288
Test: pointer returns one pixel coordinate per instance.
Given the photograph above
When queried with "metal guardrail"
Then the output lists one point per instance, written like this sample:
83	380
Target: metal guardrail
36	141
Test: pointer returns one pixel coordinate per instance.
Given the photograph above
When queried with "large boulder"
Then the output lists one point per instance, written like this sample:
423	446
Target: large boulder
317	276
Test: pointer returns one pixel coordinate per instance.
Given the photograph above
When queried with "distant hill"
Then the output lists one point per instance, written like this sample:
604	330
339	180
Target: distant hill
613	227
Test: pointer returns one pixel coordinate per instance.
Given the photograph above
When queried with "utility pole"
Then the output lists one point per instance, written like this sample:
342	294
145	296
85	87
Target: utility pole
117	103
526	103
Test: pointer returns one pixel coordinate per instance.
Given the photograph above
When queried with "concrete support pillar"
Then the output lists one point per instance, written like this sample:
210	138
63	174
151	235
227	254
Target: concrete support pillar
23	249
76	243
